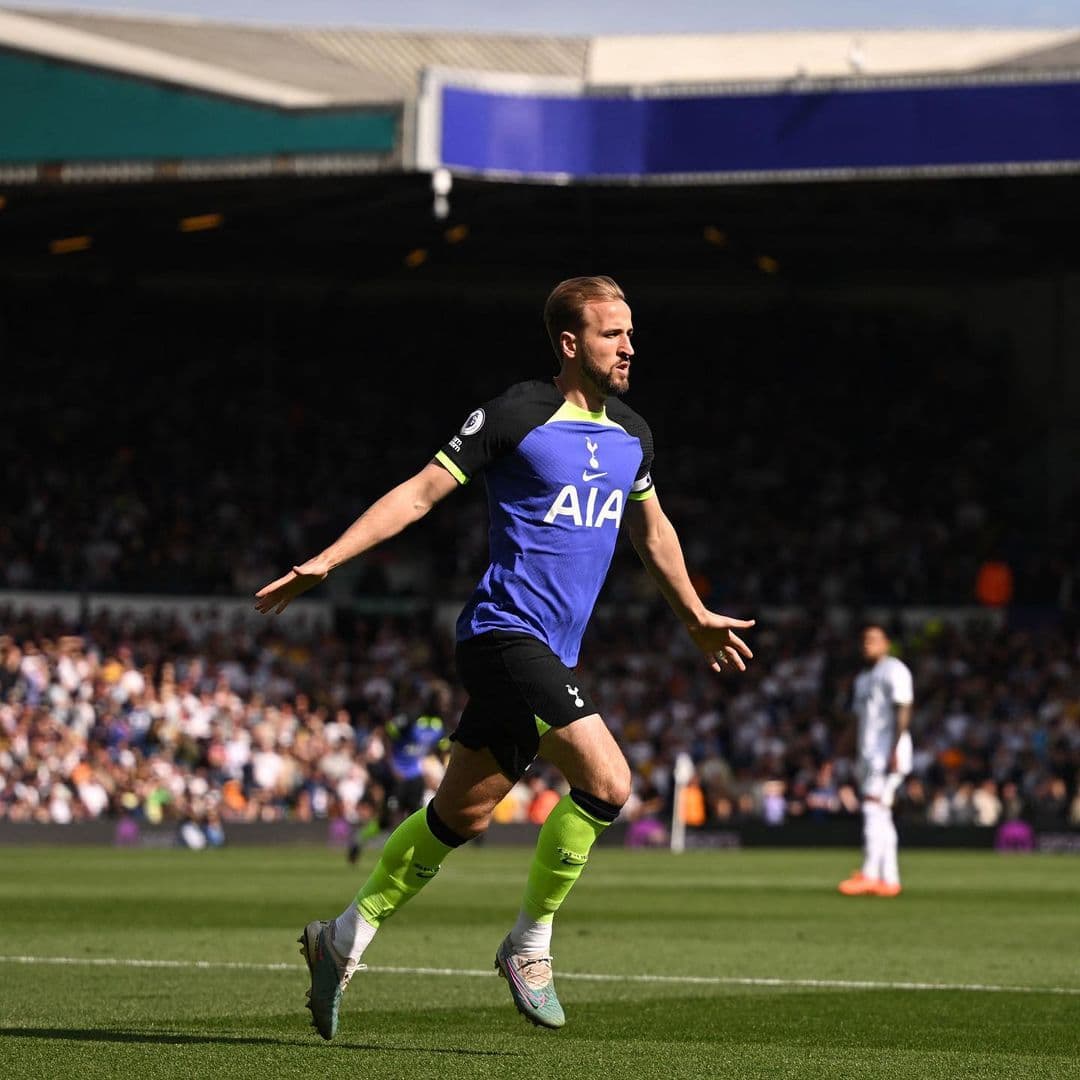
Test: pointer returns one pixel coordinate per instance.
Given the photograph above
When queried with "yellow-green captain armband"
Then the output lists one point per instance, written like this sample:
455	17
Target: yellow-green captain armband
444	460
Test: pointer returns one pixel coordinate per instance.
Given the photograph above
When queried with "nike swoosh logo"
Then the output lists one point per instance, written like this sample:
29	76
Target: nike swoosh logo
537	1001
589	477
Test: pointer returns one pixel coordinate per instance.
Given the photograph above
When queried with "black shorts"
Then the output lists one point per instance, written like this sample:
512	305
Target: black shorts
518	689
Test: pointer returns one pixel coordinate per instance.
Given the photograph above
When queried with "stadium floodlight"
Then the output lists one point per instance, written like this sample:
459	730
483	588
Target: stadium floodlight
441	184
200	223
442	181
68	245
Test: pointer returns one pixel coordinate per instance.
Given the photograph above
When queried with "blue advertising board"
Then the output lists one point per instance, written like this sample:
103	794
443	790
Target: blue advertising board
969	125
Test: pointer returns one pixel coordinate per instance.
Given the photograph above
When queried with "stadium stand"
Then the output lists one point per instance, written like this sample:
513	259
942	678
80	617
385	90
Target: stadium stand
159	720
121	98
201	495
880	416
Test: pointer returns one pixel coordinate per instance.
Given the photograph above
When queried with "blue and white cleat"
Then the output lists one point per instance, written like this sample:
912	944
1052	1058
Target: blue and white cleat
329	978
532	986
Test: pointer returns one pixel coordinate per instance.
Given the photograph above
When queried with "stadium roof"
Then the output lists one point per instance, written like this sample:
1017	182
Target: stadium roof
286	66
108	97
305	67
686	58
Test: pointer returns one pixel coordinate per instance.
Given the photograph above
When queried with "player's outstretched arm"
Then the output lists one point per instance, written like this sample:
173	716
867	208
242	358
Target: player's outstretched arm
657	544
396	510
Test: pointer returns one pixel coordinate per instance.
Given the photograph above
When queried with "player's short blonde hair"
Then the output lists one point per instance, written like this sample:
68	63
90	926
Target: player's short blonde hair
565	307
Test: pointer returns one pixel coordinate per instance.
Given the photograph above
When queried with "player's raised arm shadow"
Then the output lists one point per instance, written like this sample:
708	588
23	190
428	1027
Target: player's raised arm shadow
180	1038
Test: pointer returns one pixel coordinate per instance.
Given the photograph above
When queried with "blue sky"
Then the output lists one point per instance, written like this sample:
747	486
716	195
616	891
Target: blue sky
595	17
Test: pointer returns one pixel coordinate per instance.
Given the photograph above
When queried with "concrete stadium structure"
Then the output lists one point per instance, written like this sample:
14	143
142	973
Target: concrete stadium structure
117	98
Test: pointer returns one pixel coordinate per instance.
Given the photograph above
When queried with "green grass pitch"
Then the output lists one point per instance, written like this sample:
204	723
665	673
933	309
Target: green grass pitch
975	921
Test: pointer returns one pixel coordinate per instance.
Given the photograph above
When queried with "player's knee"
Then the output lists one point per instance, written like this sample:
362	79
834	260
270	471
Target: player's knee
611	789
475	825
468	822
454	824
619	790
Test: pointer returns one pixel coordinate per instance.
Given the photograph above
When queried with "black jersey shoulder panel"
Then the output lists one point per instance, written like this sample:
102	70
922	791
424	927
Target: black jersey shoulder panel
498	426
635	425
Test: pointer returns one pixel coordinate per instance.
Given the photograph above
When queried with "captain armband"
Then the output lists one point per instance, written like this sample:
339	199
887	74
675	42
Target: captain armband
643	488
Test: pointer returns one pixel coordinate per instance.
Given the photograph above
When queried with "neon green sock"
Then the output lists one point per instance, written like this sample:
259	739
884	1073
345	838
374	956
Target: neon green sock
562	849
410	859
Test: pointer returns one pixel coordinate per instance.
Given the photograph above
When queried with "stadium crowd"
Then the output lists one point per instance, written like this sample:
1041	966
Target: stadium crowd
164	719
837	463
270	442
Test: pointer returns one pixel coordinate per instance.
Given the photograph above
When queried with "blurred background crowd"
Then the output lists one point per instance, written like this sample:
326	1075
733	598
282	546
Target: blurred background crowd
164	719
802	492
905	488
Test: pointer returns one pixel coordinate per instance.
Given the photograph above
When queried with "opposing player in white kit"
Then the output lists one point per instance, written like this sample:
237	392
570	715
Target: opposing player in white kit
884	694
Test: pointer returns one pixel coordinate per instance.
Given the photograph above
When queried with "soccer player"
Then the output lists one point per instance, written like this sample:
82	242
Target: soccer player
411	741
563	458
884	694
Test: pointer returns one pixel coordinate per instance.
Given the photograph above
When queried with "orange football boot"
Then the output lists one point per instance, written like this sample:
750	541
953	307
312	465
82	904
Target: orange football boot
885	889
859	885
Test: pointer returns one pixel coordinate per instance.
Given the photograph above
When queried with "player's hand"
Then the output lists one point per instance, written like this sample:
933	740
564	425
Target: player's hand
274	598
715	636
900	760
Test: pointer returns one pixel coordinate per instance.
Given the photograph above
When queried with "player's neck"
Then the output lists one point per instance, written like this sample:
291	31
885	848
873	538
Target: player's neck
580	393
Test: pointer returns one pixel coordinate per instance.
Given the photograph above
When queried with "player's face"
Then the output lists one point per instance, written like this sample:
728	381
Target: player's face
604	346
875	644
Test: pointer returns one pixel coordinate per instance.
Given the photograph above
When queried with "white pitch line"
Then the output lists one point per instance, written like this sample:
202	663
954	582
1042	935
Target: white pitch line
677	980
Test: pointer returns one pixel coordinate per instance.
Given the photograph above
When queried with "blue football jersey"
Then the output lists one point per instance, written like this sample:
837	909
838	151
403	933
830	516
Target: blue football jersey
558	478
412	741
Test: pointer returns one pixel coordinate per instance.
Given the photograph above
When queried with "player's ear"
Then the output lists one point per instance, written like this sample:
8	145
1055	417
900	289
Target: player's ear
568	344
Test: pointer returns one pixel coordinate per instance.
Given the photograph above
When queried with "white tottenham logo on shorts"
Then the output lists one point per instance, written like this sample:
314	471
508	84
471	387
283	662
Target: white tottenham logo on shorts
573	692
568	504
474	423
